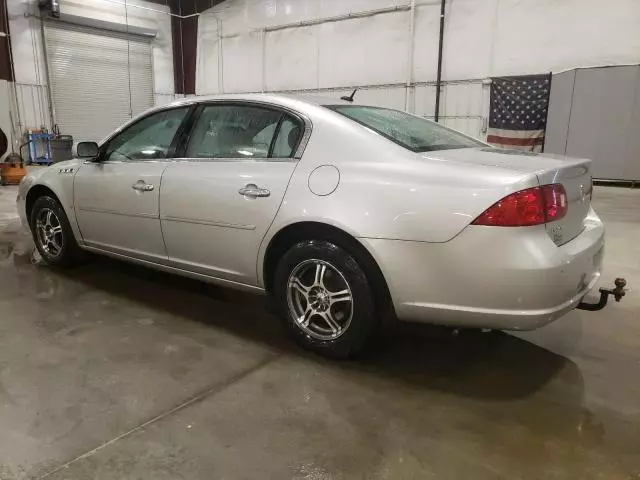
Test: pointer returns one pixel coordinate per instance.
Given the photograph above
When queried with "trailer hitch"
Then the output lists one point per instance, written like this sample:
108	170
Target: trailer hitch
617	293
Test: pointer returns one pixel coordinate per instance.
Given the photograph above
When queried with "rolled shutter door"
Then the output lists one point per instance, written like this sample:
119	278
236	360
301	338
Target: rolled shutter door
99	79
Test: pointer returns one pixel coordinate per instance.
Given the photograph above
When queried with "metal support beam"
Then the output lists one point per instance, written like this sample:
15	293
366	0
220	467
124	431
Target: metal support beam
320	21
436	115
372	86
52	109
412	23
184	34
6	66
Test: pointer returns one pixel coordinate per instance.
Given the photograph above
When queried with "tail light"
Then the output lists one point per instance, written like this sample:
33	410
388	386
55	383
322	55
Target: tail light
533	206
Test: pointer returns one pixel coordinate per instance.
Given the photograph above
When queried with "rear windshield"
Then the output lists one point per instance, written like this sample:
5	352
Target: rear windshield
414	133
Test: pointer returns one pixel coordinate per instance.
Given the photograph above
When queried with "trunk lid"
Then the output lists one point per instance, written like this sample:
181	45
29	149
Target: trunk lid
576	180
574	175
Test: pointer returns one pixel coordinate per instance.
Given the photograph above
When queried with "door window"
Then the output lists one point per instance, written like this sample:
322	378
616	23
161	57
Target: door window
288	138
240	131
147	139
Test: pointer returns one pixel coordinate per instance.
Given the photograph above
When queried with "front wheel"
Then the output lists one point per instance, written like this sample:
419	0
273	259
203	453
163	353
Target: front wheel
52	233
325	298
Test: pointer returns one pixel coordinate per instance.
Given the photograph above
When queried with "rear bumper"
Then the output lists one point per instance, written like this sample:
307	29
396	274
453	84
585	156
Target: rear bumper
491	277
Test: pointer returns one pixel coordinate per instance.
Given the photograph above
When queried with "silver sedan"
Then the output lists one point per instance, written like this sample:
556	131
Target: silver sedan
340	211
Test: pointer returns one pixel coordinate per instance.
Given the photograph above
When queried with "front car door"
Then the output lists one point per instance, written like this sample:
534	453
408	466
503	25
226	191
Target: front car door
116	197
218	202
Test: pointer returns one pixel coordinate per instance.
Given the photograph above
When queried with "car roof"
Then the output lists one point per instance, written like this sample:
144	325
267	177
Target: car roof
301	103
288	100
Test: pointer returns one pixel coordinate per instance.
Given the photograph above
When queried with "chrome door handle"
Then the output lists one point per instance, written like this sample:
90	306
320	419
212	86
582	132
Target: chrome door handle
141	186
251	190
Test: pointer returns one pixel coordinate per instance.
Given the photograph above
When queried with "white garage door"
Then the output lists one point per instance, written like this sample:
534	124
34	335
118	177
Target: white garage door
99	79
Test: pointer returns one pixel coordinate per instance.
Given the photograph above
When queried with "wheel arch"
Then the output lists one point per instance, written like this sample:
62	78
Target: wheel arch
33	194
311	230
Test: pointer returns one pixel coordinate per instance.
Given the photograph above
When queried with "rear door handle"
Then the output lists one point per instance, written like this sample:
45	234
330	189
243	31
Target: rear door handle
251	190
142	186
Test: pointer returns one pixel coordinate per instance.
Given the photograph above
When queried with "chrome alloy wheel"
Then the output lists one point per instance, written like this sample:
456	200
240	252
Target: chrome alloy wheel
319	299
49	232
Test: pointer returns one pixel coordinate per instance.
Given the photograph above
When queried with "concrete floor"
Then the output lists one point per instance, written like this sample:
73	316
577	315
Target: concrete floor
111	371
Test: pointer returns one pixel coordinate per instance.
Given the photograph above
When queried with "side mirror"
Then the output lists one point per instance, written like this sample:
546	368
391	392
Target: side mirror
85	150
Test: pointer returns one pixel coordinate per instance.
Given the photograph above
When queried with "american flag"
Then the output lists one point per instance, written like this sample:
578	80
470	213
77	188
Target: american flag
518	115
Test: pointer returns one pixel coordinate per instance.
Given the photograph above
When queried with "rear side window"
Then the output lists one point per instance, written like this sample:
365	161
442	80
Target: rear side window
409	131
243	132
288	138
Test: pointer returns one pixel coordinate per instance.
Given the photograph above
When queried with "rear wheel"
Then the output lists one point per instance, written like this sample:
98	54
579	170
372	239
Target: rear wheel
52	233
325	298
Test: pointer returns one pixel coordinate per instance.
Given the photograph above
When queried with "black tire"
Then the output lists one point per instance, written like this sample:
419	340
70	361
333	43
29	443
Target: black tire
363	319
69	253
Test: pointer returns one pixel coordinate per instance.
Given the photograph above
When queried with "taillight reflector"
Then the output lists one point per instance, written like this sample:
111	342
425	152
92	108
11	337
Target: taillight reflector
533	206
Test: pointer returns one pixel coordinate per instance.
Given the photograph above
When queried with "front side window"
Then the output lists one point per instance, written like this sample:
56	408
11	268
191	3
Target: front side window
242	131
409	131
147	139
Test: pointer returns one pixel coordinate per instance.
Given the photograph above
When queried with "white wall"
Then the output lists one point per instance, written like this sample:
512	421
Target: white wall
27	49
483	38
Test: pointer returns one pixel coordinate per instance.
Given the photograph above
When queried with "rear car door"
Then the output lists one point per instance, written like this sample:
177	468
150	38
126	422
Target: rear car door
219	200
116	197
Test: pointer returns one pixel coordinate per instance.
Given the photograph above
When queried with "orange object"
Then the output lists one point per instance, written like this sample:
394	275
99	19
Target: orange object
12	170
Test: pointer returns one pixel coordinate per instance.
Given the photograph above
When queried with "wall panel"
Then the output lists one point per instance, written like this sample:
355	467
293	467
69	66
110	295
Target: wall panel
560	102
595	113
389	97
372	50
242	60
33	104
296	52
602	124
463	105
207	56
165	98
537	36
425	56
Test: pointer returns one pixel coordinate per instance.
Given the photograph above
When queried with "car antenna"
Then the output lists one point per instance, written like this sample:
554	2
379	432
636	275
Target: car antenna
350	97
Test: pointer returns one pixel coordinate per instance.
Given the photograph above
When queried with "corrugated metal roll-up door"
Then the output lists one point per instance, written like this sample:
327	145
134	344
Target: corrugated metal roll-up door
99	79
